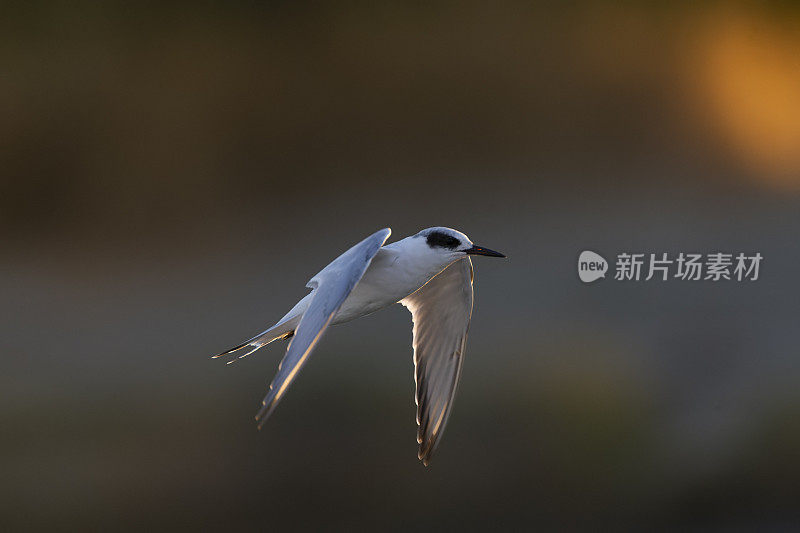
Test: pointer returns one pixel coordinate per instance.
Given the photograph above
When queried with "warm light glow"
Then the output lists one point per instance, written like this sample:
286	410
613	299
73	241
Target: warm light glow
749	82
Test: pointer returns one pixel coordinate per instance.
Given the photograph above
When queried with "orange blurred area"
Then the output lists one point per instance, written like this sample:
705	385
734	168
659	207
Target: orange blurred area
746	67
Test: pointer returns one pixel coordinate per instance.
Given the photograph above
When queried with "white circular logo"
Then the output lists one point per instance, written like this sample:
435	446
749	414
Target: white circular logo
591	266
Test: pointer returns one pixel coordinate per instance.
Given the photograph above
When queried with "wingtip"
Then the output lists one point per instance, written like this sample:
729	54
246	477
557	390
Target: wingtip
426	450
261	422
263	413
424	457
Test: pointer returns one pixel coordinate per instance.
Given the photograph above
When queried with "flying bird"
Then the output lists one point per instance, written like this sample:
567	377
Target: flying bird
430	273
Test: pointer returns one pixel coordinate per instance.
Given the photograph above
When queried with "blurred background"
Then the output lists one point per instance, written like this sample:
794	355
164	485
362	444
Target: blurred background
174	172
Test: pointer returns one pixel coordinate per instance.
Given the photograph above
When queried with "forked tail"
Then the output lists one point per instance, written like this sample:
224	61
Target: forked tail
278	331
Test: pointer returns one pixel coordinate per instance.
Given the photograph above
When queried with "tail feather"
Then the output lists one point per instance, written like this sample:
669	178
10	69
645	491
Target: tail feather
235	348
259	341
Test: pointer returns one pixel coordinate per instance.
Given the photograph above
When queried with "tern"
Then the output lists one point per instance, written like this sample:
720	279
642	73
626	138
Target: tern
430	273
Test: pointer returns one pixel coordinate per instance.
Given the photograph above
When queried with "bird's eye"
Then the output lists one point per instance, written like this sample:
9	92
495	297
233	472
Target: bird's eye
437	239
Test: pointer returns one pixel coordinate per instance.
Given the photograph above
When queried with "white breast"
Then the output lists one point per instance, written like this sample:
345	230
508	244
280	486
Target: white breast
390	277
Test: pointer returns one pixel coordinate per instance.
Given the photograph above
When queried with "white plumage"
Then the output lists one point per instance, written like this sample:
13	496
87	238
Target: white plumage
430	273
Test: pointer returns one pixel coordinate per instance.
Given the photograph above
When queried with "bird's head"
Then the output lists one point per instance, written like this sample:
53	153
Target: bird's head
449	245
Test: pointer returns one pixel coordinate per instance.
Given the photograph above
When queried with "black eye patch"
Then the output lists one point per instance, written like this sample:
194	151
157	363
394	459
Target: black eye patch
437	239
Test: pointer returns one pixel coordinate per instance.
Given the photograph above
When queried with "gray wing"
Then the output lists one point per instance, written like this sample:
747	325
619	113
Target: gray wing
331	287
441	310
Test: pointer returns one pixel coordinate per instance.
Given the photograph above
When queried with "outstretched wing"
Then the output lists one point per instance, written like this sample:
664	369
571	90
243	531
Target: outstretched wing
441	310
331	287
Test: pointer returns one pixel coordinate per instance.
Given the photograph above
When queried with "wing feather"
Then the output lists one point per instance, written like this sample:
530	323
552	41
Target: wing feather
441	310
331	287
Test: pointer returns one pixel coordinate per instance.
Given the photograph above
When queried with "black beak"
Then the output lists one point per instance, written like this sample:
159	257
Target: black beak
477	250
